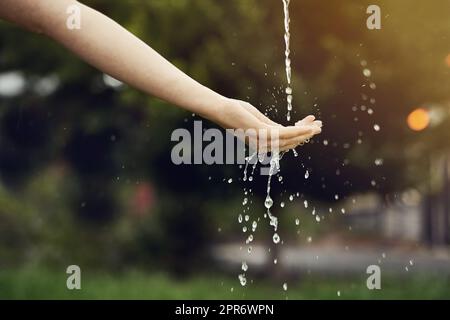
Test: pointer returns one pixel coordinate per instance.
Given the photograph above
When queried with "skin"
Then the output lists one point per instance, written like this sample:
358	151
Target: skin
110	48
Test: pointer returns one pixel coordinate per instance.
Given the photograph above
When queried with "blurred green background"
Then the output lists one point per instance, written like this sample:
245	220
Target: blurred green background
86	176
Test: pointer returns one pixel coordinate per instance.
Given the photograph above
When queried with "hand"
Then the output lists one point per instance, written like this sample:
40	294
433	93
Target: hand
263	134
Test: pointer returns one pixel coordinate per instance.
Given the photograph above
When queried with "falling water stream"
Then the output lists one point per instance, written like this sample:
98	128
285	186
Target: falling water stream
268	203
276	157
287	40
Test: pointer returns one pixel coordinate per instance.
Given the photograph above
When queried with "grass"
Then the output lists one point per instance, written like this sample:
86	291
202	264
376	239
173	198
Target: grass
44	284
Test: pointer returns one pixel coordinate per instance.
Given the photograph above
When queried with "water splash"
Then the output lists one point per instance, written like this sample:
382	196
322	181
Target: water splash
274	167
247	161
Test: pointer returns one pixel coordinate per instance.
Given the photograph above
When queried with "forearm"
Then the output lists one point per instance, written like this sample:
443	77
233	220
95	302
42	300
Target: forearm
112	49
109	47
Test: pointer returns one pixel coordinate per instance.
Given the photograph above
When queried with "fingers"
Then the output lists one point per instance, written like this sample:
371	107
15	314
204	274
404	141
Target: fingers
294	131
291	142
294	142
318	123
306	125
306	120
315	127
278	137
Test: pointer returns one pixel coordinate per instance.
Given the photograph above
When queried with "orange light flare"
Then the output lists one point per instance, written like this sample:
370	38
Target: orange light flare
418	119
447	60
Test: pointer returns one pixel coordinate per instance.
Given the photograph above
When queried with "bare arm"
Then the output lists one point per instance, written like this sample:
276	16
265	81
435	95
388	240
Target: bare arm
109	47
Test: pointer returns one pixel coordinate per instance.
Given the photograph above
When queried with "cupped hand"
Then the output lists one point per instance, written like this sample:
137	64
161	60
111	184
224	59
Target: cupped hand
267	135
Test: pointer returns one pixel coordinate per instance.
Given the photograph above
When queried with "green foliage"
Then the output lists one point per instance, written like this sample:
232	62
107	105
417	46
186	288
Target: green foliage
110	141
46	284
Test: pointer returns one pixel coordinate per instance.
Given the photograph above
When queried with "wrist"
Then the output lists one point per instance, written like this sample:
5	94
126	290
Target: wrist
222	111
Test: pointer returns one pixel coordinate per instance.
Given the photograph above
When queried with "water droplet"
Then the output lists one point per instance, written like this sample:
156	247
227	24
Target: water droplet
306	174
411	263
379	162
289	90
244	266
376	127
336	197
342	210
291	197
245	201
276	238
240	218
297	221
242	280
285	287
254	225
249	250
305	203
230	180
282	204
246	218
325	142
373	86
338	293
317	218
309	239
367	72
269	202
244	229
275	261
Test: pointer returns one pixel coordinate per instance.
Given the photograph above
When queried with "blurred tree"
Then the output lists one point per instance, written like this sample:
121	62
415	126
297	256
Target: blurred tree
113	137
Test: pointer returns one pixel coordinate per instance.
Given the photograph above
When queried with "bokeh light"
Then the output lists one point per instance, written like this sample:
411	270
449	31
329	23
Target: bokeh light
447	60
418	120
